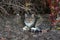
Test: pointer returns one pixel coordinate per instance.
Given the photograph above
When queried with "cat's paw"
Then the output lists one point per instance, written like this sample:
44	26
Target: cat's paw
25	28
35	29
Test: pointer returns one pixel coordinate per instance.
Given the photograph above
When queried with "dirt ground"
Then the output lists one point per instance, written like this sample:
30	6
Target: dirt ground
11	29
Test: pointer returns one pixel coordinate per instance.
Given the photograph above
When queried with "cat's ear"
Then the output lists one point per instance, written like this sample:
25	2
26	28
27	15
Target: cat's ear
32	15
25	15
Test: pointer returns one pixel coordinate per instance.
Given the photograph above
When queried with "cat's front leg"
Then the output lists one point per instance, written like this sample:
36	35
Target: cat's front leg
25	28
35	29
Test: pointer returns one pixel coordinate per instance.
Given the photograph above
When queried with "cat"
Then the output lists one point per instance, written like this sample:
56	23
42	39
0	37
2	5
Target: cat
29	21
39	21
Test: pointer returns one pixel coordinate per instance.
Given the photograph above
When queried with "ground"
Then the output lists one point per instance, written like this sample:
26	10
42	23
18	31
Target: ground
11	29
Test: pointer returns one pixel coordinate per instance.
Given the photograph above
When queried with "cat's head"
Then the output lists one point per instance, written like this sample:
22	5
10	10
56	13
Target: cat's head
29	18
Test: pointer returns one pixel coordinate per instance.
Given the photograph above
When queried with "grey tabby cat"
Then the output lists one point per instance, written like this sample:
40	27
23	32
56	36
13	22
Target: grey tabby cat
30	20
40	25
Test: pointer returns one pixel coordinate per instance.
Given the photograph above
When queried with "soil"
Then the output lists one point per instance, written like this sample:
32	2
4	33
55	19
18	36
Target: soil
11	29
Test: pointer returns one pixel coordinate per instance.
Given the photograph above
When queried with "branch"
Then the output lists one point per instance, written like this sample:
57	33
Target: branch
18	6
3	10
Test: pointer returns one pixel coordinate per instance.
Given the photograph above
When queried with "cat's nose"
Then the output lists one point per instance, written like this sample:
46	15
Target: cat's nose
29	20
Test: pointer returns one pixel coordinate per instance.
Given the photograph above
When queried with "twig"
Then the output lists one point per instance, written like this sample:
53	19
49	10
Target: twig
3	10
18	6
